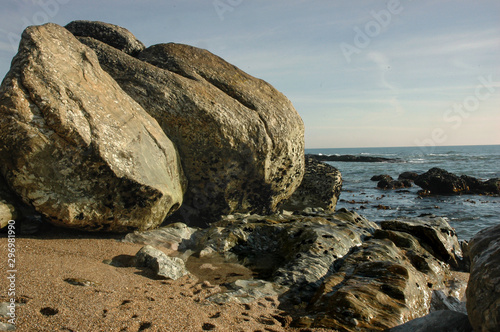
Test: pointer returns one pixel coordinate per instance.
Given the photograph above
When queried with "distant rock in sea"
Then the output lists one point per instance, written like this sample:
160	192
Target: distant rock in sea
352	158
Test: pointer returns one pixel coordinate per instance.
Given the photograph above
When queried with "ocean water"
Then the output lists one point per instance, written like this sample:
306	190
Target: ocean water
468	214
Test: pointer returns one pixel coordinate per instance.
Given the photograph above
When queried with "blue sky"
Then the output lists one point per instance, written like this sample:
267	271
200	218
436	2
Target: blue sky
360	73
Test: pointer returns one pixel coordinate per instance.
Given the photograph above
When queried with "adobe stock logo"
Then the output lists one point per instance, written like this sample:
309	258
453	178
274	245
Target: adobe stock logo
223	6
373	28
47	9
460	111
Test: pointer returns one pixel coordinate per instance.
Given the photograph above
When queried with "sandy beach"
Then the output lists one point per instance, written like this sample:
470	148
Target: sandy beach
63	285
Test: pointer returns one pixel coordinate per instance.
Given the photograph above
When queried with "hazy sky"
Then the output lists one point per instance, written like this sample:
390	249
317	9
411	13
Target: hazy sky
360	73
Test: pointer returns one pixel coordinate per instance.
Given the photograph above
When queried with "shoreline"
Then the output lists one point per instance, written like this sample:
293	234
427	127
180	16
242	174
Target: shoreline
122	298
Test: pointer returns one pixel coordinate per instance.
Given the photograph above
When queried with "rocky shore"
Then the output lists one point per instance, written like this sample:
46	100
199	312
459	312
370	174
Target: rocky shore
164	189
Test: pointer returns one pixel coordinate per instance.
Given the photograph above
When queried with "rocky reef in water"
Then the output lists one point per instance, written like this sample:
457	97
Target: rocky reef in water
352	158
99	132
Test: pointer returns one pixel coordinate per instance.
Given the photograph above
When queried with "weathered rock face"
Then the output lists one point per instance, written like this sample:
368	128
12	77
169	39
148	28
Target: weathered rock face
483	290
439	181
241	142
335	270
110	34
320	187
434	234
293	251
78	148
385	282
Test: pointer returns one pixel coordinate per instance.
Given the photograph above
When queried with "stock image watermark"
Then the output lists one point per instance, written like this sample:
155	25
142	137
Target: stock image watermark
224	6
373	28
47	9
456	114
11	271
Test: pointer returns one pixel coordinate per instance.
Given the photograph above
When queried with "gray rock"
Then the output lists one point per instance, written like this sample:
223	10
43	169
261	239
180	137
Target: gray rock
241	141
171	236
483	290
437	321
163	265
246	291
78	148
293	251
320	187
7	327
441	301
113	35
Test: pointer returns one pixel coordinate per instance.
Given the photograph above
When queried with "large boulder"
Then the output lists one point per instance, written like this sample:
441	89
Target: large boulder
320	187
439	181
110	34
77	147
483	290
241	141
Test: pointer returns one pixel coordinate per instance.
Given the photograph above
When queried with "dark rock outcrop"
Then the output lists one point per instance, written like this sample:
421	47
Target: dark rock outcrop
241	142
439	181
381	177
476	186
408	176
483	290
111	34
78	148
393	184
320	187
351	158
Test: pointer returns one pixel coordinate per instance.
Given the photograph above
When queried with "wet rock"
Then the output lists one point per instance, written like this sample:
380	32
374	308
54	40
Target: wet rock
246	291
381	177
408	176
434	234
163	265
113	35
483	291
476	186
393	184
437	321
378	274
439	181
320	187
383	283
78	148
241	141
170	236
293	251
